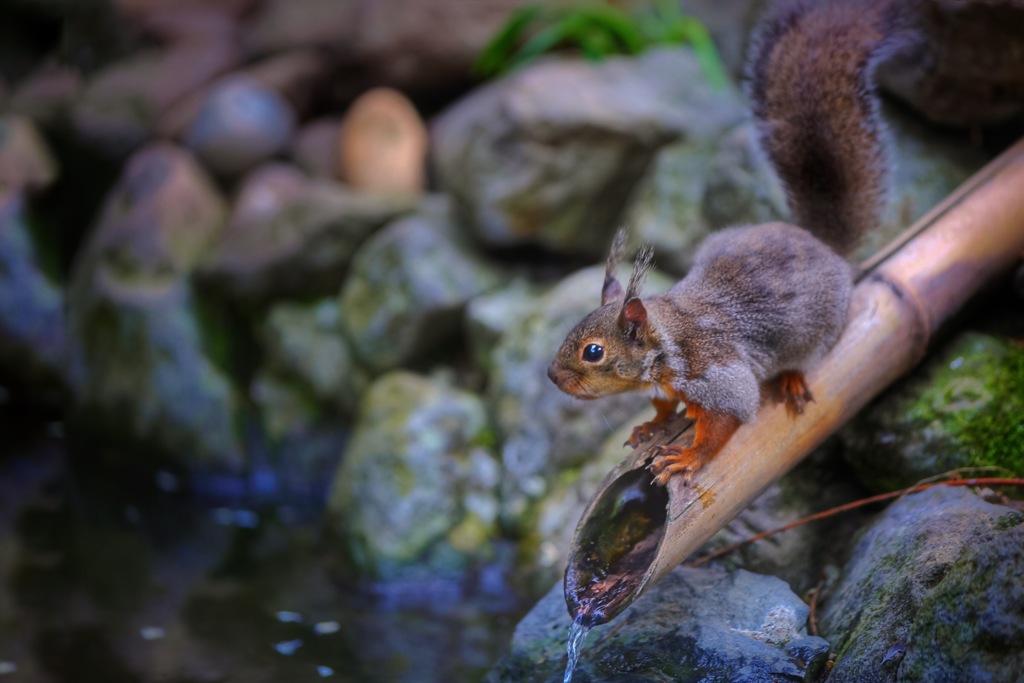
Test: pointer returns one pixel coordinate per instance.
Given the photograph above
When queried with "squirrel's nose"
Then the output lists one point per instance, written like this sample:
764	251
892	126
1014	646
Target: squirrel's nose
553	372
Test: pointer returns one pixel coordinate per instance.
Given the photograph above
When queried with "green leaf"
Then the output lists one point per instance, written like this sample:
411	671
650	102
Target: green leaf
498	51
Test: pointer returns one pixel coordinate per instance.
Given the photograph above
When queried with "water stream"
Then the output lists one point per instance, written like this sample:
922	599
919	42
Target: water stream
577	634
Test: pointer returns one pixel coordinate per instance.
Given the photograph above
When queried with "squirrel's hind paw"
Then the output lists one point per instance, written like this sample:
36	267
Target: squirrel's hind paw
791	388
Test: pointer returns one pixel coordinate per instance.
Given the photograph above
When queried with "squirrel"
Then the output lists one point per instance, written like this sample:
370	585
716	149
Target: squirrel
762	303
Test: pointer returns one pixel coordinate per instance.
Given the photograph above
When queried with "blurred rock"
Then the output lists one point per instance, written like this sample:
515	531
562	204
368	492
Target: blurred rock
301	251
694	625
932	592
282	25
241	124
315	148
407	288
303	343
961	408
415	494
551	154
297	76
490	315
410	44
120	107
47	94
138	364
383	144
139	375
33	335
160	219
543	431
263	193
25	160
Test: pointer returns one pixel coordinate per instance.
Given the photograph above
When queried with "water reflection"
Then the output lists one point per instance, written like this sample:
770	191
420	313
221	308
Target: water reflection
126	581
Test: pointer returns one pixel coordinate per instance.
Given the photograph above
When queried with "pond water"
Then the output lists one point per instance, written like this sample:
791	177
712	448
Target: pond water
117	580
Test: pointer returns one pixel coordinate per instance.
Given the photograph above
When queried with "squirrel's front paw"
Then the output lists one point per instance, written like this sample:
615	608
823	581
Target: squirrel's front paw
674	461
641	433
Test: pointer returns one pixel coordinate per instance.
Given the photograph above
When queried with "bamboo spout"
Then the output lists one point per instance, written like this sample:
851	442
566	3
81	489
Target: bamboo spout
623	542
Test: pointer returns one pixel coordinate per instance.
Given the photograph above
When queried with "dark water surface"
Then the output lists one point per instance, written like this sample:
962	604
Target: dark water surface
106	580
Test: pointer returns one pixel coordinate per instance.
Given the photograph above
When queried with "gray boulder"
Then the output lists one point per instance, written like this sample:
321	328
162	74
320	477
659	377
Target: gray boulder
407	288
416	490
308	371
695	625
961	408
301	250
138	364
551	154
932	592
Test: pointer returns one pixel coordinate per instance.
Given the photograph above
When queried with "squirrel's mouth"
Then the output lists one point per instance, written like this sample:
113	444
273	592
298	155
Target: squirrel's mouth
570	383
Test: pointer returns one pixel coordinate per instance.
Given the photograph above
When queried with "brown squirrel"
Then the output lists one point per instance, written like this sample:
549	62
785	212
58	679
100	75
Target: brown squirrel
762	303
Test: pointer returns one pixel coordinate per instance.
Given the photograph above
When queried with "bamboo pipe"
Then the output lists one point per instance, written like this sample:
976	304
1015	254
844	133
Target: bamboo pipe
633	532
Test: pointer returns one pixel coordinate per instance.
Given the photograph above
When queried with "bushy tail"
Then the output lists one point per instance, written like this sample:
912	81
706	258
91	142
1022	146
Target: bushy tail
811	83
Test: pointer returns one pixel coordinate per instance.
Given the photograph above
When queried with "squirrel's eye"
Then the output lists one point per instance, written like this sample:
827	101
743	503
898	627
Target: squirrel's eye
593	353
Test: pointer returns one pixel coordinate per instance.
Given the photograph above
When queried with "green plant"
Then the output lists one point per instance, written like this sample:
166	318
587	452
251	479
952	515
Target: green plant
596	30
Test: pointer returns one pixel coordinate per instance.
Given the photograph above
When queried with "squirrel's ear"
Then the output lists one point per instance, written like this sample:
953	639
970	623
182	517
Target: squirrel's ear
634	317
611	291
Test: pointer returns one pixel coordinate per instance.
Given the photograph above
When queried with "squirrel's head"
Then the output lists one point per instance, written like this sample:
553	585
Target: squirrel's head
607	352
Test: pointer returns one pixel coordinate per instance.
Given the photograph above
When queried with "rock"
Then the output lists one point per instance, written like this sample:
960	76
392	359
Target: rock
797	556
46	95
282	25
120	106
315	147
161	217
383	144
932	592
33	334
961	408
551	154
416	489
263	194
301	251
297	76
139	375
407	288
543	431
138	368
241	124
304	343
694	625
25	160
490	315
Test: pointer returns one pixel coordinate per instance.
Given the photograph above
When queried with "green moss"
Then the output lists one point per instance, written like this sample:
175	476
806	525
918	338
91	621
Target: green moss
977	400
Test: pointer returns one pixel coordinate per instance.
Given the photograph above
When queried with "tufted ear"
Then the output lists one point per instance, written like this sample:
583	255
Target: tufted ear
633	318
612	290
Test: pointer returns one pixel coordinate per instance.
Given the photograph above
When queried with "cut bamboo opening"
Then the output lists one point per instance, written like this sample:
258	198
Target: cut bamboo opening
632	532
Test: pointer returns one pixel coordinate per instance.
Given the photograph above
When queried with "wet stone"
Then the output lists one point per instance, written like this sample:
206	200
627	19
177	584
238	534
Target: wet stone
693	625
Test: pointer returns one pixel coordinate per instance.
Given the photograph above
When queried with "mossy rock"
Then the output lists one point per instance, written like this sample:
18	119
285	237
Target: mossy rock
963	408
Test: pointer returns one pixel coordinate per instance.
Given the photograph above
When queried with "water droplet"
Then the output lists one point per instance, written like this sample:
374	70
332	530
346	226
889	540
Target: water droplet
286	617
326	628
957	363
7	668
325	671
288	647
152	633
